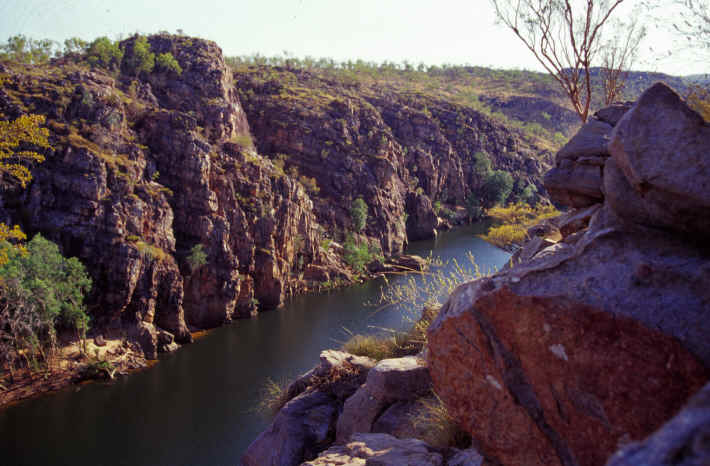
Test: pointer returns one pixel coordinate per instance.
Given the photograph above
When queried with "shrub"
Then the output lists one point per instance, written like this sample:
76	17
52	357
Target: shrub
166	62
358	256
358	214
141	60
197	257
514	221
150	251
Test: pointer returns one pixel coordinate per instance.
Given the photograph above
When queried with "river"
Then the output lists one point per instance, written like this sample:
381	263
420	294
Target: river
197	406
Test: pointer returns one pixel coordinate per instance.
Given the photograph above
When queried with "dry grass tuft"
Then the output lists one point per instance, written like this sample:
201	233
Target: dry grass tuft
441	429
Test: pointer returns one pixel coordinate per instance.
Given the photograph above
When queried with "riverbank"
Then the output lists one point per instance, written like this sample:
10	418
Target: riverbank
111	358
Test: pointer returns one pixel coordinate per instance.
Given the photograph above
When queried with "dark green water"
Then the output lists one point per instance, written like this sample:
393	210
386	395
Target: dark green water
196	406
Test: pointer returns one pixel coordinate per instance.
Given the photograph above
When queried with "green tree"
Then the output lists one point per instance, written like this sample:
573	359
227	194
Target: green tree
75	45
166	62
23	49
496	189
42	292
358	214
105	53
141	59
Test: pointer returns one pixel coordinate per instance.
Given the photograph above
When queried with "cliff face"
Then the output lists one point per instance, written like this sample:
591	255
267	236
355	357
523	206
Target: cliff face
147	166
594	341
382	144
144	169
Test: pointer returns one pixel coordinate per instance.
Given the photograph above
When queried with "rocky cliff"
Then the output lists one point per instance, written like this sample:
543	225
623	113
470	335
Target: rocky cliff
144	169
594	341
149	166
400	150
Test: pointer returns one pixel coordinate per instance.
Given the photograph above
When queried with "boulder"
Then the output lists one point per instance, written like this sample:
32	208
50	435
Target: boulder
576	179
398	420
330	361
558	359
613	113
391	380
301	430
682	441
661	147
379	450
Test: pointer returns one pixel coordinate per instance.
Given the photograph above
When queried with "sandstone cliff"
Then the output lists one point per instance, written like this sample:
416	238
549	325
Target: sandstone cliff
144	169
149	165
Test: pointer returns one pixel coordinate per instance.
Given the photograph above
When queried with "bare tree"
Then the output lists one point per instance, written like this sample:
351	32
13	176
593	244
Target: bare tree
694	22
565	36
617	55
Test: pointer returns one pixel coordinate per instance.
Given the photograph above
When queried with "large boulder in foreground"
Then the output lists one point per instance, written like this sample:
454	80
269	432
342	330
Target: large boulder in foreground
661	147
597	340
683	441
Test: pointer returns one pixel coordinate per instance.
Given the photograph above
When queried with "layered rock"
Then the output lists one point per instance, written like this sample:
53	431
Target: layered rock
147	167
401	152
597	339
576	178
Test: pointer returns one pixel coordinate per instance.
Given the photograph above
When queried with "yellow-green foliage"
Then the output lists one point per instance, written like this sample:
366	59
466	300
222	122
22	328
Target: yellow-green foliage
150	251
23	130
514	220
505	235
699	100
8	234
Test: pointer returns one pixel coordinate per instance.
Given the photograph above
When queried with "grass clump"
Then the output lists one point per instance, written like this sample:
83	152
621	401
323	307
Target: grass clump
273	396
439	427
393	344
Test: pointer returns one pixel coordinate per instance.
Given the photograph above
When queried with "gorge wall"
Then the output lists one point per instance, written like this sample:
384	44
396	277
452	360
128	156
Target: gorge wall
147	166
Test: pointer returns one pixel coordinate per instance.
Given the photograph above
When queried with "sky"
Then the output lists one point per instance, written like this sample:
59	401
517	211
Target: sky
428	31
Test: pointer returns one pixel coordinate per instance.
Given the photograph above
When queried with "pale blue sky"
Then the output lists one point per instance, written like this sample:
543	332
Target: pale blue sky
431	31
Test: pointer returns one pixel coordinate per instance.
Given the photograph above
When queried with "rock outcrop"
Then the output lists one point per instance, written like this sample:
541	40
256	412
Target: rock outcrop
305	425
349	410
595	340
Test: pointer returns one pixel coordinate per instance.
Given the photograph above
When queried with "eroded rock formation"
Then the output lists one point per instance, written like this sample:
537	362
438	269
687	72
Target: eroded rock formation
597	339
